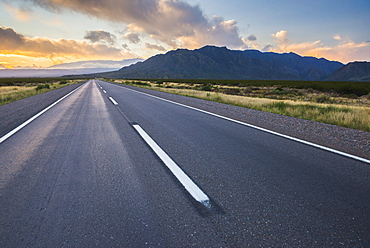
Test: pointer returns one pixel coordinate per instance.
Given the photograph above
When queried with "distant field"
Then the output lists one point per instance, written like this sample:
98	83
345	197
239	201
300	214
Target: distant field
27	81
339	103
340	87
14	89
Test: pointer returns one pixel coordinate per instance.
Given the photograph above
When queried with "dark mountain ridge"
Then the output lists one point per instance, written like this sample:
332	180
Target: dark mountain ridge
355	71
309	68
212	62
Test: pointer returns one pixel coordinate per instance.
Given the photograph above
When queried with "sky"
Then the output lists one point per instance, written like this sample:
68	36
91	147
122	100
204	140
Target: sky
42	33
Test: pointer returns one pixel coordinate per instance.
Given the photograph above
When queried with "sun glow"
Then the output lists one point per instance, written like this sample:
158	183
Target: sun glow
12	61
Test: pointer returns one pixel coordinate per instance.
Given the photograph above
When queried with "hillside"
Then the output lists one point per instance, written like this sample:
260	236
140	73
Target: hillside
80	67
356	71
308	68
88	64
212	62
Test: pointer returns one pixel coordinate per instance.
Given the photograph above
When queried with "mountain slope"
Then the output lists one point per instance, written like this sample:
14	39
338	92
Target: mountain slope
308	68
212	62
355	71
96	64
207	63
80	67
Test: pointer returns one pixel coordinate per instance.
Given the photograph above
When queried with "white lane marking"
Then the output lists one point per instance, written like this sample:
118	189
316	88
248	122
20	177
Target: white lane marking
98	84
113	101
189	185
8	135
104	92
263	129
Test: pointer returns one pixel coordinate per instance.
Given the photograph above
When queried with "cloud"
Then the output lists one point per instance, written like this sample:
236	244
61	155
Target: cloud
132	37
173	22
267	48
20	14
17	44
252	37
307	48
10	41
217	32
250	42
100	36
344	52
282	40
25	14
154	47
337	37
125	47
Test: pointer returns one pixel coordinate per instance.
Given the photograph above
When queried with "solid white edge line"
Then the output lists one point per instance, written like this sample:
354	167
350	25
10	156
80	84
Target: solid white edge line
263	129
8	135
113	101
184	179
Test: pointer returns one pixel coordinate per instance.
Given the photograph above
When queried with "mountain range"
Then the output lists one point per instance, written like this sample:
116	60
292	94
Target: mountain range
80	67
212	62
209	62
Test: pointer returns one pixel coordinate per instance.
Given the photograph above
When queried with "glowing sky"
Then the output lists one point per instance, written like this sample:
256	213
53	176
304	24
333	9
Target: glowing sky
45	32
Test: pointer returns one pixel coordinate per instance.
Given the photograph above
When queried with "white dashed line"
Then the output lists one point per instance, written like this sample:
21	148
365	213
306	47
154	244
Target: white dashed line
113	101
184	179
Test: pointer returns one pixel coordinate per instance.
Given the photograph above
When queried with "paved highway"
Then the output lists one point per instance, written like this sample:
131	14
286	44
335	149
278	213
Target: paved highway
111	167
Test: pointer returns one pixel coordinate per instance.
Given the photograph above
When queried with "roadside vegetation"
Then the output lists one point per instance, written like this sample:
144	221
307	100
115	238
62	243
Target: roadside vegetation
13	89
344	104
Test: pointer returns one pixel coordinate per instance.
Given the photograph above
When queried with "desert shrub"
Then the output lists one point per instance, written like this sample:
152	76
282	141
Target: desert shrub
322	99
281	106
351	89
352	96
42	86
231	91
141	83
247	90
206	87
279	91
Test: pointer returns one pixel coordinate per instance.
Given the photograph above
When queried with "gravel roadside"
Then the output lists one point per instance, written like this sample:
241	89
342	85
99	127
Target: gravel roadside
343	139
347	140
15	113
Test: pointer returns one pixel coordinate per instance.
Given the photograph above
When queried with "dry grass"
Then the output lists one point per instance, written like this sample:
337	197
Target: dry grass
357	117
10	94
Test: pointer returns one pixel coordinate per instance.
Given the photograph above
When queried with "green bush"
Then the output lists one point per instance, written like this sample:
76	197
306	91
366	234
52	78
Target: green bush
231	91
141	83
279	91
206	87
42	86
323	99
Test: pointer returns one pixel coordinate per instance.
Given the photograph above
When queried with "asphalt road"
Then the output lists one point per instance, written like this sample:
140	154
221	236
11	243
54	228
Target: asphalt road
81	175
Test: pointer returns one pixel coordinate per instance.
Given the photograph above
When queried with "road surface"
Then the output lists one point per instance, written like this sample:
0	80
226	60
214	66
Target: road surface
111	167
